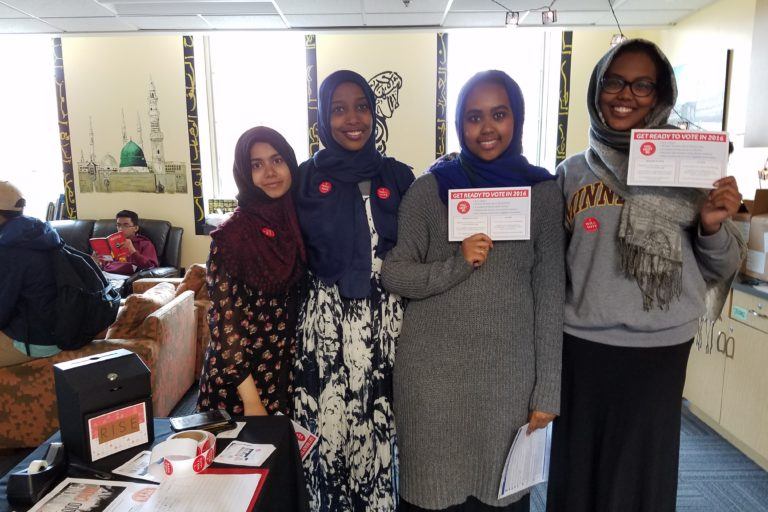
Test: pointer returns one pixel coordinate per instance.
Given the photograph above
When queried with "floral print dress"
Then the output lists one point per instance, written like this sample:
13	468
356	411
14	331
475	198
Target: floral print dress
251	334
343	393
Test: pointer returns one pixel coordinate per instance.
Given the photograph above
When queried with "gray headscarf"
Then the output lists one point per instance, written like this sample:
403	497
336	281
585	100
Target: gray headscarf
653	219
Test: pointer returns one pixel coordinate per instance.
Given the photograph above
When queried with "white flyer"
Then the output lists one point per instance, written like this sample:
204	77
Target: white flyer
245	454
527	461
95	496
306	439
138	467
677	158
502	213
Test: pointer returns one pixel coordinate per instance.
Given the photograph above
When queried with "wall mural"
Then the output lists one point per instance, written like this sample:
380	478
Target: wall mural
441	94
402	70
70	205
101	171
386	86
566	51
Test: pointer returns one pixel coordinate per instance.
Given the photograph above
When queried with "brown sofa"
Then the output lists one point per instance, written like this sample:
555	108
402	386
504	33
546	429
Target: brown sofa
194	280
162	335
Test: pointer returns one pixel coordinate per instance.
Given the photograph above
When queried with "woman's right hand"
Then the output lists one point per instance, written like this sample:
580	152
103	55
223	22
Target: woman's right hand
475	249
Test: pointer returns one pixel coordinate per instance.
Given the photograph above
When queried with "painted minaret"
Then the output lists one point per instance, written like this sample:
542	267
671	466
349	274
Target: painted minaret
155	135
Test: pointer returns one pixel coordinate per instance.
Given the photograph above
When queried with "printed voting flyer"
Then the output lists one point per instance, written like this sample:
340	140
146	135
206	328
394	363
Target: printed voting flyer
85	495
677	158
502	213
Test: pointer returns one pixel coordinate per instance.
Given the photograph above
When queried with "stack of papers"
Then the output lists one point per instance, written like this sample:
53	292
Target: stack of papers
527	461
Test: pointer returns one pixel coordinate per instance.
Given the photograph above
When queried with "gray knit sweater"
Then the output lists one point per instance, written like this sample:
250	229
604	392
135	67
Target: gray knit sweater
478	350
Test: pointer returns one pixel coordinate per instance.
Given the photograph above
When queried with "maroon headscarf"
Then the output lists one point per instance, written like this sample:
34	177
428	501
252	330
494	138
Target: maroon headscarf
260	244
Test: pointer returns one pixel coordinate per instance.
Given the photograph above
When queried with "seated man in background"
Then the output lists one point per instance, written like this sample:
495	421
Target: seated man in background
27	282
141	251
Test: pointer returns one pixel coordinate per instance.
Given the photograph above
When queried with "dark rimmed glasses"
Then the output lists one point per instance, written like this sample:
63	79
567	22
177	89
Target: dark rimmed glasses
640	88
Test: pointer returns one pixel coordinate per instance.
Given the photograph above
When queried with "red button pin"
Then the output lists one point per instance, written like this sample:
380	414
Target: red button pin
383	192
325	187
268	232
591	224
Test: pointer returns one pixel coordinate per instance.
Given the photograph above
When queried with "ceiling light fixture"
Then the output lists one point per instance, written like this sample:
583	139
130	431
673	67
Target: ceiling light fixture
620	37
548	17
512	19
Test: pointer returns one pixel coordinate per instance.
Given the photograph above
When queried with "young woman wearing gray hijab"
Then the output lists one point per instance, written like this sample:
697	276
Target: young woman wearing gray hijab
644	263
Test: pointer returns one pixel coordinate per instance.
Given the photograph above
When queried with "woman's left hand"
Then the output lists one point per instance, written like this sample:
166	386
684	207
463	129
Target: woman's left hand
722	203
538	419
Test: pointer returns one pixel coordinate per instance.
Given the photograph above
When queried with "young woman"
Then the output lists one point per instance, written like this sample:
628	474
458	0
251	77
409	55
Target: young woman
347	200
257	257
640	260
479	355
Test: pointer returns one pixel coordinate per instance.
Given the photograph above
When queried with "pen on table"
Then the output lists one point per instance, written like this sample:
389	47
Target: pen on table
95	472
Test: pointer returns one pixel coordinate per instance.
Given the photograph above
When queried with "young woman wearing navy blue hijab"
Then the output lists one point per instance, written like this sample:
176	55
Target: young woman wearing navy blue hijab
479	353
347	200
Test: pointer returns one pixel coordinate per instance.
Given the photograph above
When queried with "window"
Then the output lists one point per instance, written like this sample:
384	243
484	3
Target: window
256	79
31	155
532	60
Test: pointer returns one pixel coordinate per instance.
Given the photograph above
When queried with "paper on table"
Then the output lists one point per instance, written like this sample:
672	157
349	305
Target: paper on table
527	461
245	454
96	496
233	491
138	467
231	433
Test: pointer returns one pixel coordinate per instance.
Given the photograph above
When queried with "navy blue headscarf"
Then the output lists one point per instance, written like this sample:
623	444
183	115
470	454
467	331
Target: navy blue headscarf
330	207
510	169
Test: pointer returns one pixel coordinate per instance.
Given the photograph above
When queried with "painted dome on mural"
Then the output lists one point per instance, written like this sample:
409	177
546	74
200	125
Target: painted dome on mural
132	156
109	161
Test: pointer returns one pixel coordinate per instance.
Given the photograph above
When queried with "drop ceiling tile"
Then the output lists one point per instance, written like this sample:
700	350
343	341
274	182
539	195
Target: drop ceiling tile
60	9
474	19
300	7
8	12
392	6
404	19
26	26
167	22
324	20
193	8
266	21
645	17
96	24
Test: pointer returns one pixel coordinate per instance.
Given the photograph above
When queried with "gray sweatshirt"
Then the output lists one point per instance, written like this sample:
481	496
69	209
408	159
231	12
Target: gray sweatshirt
605	306
479	348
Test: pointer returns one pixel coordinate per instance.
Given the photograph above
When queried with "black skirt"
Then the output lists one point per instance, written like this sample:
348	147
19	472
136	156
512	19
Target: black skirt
615	446
472	505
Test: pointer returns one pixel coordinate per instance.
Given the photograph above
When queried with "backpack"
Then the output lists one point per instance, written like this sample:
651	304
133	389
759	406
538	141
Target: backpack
86	303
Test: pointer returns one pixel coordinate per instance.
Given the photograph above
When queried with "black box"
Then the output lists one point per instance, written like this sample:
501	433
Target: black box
105	404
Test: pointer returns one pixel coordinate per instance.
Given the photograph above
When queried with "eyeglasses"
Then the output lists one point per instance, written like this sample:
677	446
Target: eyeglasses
639	88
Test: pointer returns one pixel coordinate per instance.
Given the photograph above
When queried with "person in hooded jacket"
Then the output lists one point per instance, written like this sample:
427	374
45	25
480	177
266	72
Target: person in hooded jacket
27	281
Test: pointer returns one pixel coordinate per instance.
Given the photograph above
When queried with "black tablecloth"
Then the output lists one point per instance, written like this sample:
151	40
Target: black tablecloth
283	490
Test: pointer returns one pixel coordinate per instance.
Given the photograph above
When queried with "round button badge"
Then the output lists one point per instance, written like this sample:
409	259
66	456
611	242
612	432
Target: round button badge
591	224
383	192
325	187
267	232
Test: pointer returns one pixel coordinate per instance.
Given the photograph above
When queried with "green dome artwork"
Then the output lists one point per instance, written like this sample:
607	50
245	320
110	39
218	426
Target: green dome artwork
132	156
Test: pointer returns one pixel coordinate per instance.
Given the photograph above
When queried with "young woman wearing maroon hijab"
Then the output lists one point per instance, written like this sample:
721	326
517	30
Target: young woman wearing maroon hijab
257	257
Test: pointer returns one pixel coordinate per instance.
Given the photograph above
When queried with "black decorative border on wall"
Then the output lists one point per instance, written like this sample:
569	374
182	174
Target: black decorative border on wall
566	50
310	44
441	97
193	133
70	204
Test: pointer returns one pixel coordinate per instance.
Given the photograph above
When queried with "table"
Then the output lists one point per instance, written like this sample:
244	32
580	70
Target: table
284	488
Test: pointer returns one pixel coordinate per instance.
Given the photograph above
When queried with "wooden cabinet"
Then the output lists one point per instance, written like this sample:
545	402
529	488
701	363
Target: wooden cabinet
706	369
727	379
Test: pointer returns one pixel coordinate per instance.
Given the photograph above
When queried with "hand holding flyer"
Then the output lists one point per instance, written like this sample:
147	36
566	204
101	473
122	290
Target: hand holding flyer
677	158
502	213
